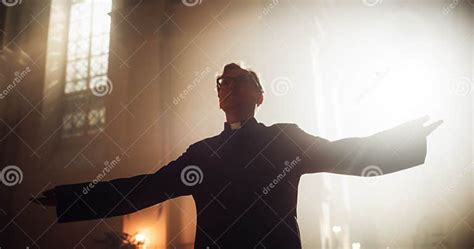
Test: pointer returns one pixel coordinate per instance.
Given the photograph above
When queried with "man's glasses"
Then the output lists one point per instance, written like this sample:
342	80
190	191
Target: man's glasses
224	81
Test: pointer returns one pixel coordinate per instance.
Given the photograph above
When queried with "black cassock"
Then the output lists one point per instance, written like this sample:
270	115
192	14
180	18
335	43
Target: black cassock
244	181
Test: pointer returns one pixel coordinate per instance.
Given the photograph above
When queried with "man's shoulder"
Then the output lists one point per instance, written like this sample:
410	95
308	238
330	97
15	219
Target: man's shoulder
284	126
288	128
205	143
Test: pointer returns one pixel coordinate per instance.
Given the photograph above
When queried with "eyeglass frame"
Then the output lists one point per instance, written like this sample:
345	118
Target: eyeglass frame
247	78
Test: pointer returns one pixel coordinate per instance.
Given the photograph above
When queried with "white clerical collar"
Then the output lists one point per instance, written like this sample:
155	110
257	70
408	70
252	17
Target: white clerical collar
235	125
251	122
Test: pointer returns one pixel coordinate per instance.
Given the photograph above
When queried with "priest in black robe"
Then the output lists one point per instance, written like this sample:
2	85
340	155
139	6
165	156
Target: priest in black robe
244	180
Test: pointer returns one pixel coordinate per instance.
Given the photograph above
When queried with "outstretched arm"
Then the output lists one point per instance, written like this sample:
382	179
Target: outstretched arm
392	150
86	201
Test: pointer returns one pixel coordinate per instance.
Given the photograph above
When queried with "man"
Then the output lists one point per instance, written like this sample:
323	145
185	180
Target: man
245	180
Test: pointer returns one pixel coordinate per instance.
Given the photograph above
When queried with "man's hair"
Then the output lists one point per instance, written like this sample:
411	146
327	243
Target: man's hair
251	74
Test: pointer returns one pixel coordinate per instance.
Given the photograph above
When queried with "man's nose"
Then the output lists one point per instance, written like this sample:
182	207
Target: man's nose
234	85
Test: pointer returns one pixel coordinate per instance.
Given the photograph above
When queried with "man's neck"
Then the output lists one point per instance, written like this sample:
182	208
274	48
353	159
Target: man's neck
233	118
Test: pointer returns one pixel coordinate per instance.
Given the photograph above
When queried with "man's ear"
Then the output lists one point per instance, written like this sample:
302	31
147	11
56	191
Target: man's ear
260	99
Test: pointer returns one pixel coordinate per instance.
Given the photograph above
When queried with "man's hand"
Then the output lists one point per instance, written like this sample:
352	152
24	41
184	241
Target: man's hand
416	127
48	198
405	133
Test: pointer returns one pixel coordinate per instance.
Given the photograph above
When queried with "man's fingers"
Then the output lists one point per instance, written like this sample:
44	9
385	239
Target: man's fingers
431	127
414	122
48	198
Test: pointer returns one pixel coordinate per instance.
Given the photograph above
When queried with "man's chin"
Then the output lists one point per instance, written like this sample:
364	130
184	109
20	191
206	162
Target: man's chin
230	108
233	107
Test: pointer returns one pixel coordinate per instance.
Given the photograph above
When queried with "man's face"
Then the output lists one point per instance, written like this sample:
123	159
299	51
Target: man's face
237	91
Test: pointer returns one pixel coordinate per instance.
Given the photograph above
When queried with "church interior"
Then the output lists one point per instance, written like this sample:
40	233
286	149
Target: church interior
94	90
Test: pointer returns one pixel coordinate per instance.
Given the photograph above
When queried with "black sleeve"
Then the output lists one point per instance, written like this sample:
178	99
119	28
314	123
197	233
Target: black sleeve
387	151
86	201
